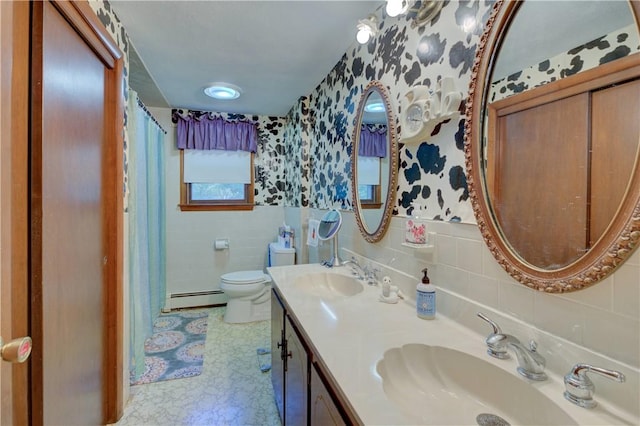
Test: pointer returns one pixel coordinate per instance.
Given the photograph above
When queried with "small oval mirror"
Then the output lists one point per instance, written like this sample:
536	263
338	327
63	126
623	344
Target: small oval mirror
329	224
374	162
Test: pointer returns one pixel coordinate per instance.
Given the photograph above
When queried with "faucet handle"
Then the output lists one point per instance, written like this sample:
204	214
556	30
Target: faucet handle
496	341
580	389
372	274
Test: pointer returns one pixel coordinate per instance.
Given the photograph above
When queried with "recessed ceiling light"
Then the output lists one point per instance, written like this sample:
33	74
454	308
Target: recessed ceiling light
223	91
374	107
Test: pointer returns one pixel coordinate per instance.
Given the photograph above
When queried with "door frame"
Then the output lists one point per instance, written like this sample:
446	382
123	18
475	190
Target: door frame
14	219
14	202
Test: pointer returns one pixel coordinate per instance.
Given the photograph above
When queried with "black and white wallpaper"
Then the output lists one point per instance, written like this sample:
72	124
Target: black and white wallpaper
607	48
304	158
431	172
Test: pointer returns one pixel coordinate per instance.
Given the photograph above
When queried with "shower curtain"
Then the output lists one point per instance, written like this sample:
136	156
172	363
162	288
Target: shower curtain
146	228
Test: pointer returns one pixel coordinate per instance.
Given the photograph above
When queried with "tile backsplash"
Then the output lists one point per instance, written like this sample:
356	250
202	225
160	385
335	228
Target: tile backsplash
599	325
604	317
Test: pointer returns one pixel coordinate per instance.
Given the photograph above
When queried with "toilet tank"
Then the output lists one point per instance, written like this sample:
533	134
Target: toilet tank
281	256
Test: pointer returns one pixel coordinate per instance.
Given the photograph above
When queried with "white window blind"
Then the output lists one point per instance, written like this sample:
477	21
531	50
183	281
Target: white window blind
217	166
368	170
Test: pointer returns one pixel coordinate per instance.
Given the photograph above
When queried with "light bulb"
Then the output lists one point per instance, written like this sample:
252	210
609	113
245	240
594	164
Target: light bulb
395	7
366	29
363	35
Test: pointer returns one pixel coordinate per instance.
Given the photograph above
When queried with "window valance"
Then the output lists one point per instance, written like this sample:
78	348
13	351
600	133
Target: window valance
206	131
373	141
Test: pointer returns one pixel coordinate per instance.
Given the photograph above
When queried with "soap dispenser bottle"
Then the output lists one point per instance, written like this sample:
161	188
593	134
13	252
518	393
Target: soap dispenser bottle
426	297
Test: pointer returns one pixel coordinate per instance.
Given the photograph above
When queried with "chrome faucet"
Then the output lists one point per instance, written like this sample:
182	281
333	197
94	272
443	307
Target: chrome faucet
366	273
530	363
357	270
580	389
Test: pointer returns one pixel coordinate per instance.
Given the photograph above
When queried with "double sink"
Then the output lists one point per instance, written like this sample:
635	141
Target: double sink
430	383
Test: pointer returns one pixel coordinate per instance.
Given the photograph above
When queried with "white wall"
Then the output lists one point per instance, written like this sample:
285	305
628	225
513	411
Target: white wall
192	263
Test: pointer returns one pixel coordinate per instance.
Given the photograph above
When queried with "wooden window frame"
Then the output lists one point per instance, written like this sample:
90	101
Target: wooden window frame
187	204
375	202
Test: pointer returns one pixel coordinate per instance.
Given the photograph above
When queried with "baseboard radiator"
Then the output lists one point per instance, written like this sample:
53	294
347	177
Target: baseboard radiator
194	299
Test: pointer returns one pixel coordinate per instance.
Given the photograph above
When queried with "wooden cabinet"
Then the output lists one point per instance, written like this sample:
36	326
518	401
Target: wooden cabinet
303	394
296	377
277	352
322	407
289	367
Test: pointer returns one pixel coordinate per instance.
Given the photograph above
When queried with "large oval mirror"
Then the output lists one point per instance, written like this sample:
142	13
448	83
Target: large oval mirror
374	162
551	139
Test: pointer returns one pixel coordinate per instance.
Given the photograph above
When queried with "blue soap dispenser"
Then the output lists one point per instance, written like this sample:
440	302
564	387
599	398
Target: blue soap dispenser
426	298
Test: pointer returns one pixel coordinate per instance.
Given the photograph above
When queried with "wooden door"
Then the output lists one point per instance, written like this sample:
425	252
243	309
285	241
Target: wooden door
615	127
61	227
545	196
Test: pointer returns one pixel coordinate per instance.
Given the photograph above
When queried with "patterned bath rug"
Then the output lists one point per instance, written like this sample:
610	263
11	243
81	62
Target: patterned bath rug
176	348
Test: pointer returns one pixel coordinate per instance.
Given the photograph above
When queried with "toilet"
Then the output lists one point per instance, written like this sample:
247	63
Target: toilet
249	292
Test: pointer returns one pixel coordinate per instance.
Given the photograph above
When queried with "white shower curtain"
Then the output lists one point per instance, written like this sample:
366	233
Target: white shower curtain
146	228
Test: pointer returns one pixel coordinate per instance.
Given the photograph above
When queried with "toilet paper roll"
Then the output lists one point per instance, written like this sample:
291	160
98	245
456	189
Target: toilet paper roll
221	244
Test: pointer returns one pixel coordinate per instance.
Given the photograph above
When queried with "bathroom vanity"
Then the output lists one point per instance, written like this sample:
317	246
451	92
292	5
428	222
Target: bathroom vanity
300	383
339	356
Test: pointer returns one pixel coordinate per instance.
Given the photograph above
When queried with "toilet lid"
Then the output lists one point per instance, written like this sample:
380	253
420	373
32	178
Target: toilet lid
245	277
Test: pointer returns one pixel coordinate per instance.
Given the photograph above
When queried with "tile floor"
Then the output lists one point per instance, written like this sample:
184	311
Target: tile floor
232	390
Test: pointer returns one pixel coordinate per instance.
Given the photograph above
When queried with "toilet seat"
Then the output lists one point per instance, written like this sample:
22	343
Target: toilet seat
245	277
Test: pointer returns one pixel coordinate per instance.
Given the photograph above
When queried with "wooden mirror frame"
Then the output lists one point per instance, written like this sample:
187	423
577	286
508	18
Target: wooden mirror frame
392	184
621	237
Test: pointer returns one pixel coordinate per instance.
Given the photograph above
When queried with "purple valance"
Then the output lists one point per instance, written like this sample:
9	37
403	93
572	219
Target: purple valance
373	141
206	132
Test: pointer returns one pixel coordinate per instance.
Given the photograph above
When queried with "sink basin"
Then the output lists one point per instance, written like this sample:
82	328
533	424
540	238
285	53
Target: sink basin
329	285
438	385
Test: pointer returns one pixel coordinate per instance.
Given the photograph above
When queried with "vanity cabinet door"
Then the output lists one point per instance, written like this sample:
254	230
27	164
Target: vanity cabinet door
296	378
324	411
277	352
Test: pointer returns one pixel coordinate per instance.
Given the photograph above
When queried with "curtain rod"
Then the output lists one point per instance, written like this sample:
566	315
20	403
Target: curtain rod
144	108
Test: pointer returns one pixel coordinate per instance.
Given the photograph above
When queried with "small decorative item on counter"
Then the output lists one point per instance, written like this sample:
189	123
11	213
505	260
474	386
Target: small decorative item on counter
426	298
416	227
390	293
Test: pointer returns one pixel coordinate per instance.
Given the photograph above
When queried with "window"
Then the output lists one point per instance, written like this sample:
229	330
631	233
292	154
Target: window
369	182
216	180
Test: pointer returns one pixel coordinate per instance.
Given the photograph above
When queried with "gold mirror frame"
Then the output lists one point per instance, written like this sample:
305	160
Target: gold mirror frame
387	207
622	235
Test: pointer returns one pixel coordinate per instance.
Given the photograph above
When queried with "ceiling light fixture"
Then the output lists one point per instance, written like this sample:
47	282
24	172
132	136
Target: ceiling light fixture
223	91
423	11
367	28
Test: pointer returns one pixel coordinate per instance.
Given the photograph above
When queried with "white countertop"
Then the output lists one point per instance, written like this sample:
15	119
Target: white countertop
351	334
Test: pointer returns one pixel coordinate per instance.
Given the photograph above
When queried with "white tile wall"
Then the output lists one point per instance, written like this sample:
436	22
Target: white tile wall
192	263
603	318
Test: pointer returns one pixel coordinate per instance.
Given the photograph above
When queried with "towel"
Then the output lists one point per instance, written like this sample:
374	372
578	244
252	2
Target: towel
312	235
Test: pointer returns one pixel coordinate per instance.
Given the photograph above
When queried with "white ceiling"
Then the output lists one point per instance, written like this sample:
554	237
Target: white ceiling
276	51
